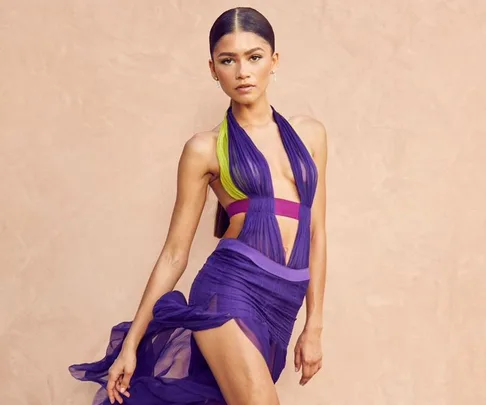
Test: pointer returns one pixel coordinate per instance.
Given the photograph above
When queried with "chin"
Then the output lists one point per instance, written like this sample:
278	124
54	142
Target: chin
245	99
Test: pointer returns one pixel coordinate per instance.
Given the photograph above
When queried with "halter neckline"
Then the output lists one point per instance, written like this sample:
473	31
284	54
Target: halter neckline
264	159
245	174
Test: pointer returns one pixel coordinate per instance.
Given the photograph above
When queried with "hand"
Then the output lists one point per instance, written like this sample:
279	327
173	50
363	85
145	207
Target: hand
120	374
308	354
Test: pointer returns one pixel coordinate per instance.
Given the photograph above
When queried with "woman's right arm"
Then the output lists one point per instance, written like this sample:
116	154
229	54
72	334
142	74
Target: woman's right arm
193	177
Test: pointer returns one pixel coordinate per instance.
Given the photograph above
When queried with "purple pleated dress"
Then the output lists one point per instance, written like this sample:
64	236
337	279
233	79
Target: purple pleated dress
244	278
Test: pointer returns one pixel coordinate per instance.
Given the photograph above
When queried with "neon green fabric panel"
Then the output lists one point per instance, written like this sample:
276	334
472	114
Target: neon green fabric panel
224	164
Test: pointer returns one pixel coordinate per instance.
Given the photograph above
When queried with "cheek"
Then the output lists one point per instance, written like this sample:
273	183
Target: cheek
226	74
263	70
263	75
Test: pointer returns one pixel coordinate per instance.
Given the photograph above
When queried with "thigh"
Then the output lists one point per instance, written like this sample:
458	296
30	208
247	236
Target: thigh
238	366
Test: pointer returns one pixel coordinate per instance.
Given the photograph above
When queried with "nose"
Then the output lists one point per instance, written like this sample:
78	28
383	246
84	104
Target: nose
242	71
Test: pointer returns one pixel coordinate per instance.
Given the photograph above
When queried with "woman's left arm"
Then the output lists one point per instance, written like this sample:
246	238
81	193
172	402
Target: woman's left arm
318	248
308	351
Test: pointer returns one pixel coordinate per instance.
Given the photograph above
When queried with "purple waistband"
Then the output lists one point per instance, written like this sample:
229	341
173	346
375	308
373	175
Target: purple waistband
283	207
263	261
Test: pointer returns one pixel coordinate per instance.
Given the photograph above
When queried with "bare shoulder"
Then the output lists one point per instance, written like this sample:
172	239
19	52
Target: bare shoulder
201	145
311	130
200	151
200	142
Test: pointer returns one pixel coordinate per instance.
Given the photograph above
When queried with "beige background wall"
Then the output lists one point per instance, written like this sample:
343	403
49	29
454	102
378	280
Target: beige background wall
96	101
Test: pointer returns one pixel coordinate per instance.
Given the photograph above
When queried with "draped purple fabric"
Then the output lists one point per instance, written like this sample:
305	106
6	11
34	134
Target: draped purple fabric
251	174
244	279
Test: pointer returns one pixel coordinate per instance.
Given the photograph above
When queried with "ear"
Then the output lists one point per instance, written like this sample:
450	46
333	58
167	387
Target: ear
211	69
275	60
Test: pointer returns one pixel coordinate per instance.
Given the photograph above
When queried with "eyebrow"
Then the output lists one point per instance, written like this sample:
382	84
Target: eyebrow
234	54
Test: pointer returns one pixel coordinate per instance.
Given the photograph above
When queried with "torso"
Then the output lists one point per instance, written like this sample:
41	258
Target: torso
268	142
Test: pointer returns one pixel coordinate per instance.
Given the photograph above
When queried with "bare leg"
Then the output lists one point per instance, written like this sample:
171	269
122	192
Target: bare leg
238	366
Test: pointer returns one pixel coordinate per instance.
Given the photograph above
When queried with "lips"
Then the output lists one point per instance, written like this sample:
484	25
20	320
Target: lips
245	85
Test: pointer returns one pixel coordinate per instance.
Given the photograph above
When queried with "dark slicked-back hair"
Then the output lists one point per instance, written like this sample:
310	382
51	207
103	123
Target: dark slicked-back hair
245	19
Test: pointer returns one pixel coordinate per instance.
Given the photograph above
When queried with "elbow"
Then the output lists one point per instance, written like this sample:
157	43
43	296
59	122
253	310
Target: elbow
178	262
174	260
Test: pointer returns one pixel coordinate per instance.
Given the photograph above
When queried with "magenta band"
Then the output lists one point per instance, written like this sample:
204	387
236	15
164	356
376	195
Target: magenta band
263	261
283	207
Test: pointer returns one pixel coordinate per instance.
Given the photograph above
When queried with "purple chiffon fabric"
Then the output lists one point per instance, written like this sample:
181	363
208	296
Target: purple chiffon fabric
244	279
251	174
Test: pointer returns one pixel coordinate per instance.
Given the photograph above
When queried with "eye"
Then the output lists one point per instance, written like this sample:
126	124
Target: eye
255	56
225	60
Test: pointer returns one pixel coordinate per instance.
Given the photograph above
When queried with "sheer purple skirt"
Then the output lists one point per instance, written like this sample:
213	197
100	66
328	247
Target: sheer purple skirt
236	282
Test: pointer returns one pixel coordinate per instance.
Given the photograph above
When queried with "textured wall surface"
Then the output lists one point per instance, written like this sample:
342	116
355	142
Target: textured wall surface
96	101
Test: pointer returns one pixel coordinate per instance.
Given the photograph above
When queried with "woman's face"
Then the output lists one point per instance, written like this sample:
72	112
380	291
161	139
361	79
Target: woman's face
243	58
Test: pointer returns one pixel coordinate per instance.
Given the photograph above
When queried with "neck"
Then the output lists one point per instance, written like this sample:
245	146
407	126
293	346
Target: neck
257	114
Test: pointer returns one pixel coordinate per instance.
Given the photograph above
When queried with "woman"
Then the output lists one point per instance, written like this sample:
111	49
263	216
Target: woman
228	344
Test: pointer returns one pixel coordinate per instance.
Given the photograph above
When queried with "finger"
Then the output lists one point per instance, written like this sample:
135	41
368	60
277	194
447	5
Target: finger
116	390
297	359
122	388
118	383
111	397
309	370
118	396
110	389
306	372
125	383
